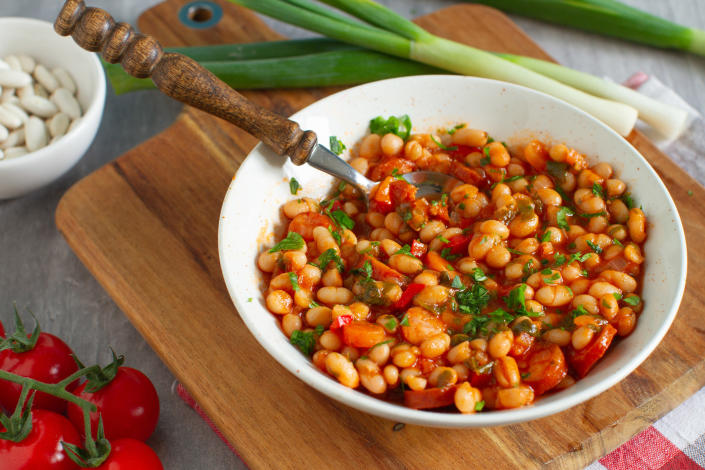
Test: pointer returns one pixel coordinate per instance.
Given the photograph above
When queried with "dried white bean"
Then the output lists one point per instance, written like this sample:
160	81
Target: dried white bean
13	62
39	106
17	111
14	78
3	65
39	90
25	91
27	63
46	78
64	99
74	123
2	155
4	133
59	124
8	118
16	138
65	79
15	152
7	94
36	134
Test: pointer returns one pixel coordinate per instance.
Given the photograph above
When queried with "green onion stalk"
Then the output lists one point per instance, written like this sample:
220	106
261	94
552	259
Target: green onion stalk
610	18
379	28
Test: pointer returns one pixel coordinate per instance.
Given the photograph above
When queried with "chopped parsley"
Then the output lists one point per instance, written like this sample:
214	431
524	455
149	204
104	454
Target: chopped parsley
478	275
397	175
596	214
336	146
628	200
516	301
479	405
457	283
632	300
564	212
557	170
443	147
294	282
293	241
249	299
595	248
313	304
552	279
330	255
335	235
404	250
486	152
472	300
516	252
366	270
598	191
391	324
617	295
342	219
304	340
399	125
546	237
404	320
485	161
448	255
319	330
455	129
579	257
616	242
294	186
443	239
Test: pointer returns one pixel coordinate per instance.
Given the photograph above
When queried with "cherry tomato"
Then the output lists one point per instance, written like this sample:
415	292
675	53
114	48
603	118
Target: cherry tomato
128	404
50	361
41	449
131	454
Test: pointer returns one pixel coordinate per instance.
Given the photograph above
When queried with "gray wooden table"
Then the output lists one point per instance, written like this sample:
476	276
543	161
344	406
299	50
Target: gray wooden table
39	271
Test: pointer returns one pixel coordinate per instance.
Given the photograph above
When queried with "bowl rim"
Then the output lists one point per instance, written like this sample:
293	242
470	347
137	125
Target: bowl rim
97	102
396	412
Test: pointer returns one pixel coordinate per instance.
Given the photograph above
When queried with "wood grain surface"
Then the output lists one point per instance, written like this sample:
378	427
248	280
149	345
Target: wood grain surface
146	227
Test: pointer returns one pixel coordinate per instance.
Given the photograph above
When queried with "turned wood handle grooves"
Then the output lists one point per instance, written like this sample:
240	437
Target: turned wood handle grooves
180	77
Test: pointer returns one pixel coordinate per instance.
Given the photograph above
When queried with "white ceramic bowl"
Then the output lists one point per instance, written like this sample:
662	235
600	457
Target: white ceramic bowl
251	213
37	38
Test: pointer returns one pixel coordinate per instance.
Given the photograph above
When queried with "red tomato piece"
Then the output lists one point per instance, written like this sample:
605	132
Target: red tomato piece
522	345
401	191
387	166
463	151
362	334
128	404
41	449
418	249
2	330
50	361
459	244
131	454
546	368
466	174
382	272
479	380
341	321
429	398
303	224
382	192
583	360
383	207
408	295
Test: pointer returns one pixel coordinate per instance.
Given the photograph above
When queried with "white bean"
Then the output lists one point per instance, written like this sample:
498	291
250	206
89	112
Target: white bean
8	118
7	95
17	111
3	65
15	139
40	91
65	79
2	155
39	106
14	78
74	124
36	134
45	78
64	99
25	91
15	152
59	124
4	133
26	63
13	62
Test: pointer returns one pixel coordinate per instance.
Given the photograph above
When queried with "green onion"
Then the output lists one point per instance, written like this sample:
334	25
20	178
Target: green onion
608	17
392	34
332	68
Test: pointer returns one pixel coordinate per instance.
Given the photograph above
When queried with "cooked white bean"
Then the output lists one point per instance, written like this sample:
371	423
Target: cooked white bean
17	111
13	62
15	139
14	78
4	133
65	101
65	79
59	124
36	134
39	106
45	78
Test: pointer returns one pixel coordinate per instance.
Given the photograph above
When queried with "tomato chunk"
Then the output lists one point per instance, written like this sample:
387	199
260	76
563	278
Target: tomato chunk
408	295
466	174
583	360
303	224
401	191
418	249
547	367
387	167
429	398
362	334
382	272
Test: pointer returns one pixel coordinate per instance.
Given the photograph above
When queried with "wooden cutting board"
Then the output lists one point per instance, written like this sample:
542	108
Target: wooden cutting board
146	227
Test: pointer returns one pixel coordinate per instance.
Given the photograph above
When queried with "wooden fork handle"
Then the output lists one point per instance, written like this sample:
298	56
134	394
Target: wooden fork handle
180	77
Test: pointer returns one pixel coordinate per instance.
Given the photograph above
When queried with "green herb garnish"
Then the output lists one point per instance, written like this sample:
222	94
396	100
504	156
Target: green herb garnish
595	248
336	146
443	147
399	125
632	300
564	212
304	340
294	186
598	191
293	241
342	219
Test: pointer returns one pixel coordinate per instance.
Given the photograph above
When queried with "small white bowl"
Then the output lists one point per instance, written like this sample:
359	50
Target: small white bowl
251	213
38	39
